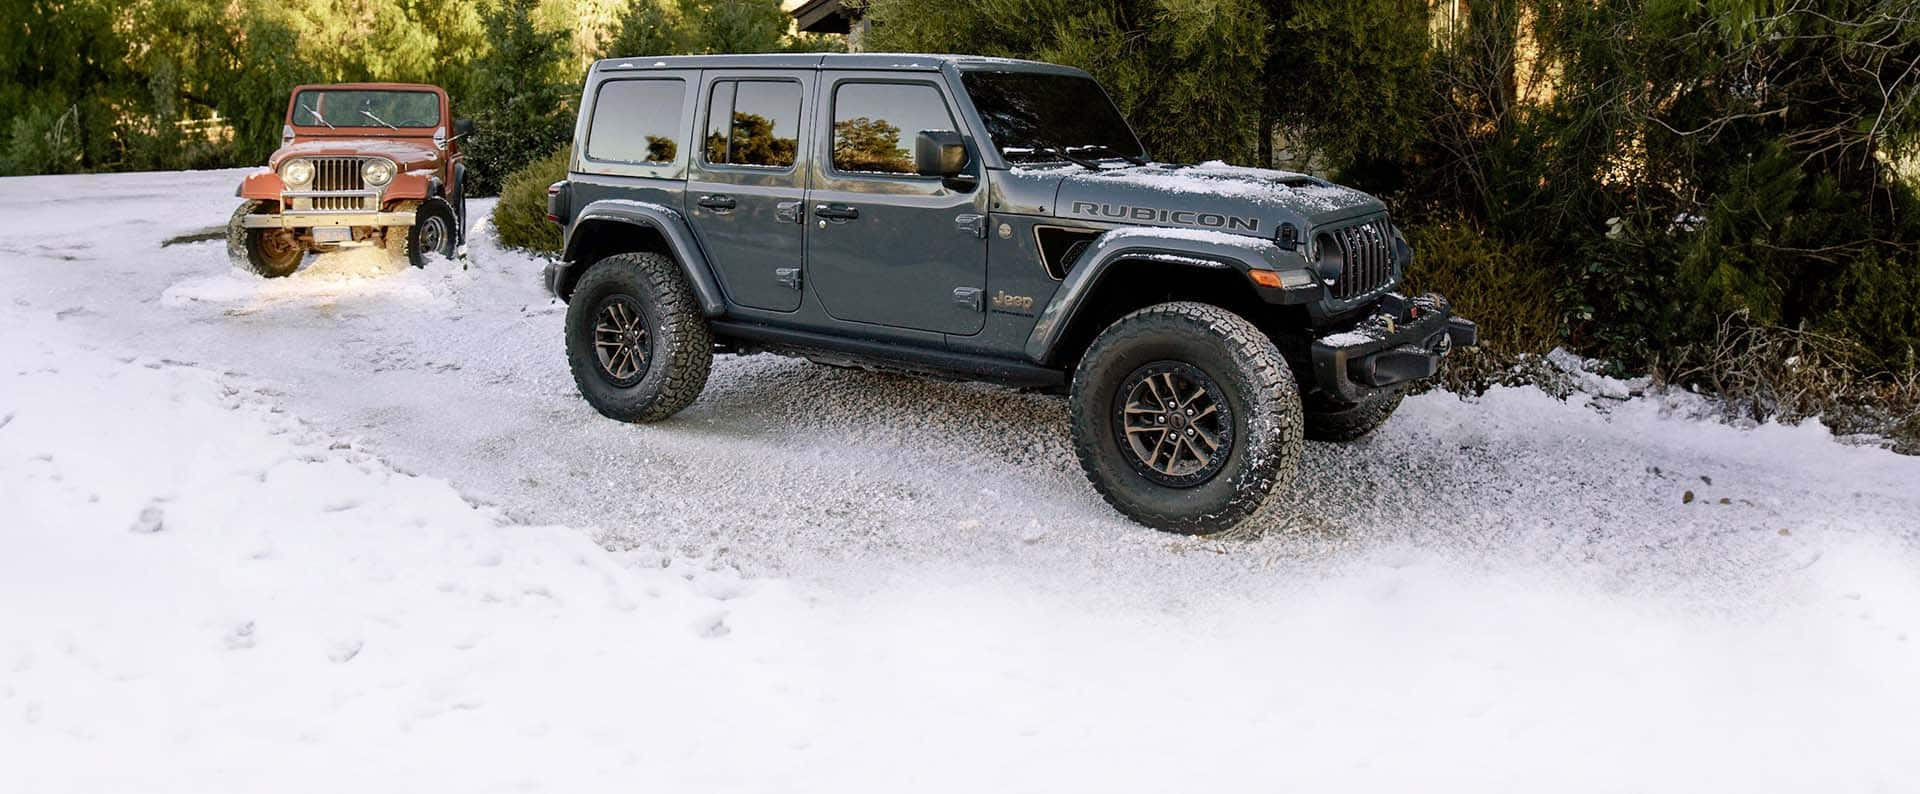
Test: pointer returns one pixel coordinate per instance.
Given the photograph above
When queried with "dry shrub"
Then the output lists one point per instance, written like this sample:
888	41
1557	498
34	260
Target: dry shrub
1766	372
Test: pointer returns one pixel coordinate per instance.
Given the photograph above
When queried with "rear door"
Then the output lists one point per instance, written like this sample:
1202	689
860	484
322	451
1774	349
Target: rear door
747	187
885	245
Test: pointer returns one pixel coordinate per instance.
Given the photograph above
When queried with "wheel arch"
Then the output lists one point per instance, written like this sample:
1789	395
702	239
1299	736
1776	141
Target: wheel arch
1132	268
617	226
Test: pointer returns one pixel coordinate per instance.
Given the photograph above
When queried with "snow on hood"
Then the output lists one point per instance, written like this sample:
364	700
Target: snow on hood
1211	195
407	153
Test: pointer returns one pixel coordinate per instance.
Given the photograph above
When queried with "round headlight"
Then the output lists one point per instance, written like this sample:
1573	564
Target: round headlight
1402	252
296	172
1329	261
377	172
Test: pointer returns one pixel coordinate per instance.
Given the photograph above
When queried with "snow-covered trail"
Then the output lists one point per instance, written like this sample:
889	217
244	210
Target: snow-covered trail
826	580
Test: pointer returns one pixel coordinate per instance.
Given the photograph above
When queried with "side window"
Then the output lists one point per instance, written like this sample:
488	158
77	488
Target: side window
874	124
753	122
637	121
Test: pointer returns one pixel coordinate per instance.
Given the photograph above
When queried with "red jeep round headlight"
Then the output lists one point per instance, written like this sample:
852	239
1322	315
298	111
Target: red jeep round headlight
377	172
297	171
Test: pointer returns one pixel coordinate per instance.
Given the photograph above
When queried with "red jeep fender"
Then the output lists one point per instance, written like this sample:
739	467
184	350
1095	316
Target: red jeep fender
263	184
415	185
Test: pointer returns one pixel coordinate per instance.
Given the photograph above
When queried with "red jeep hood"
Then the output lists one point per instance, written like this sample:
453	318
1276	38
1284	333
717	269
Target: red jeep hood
409	154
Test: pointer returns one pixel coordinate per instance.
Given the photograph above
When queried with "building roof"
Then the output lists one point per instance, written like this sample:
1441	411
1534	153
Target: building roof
828	16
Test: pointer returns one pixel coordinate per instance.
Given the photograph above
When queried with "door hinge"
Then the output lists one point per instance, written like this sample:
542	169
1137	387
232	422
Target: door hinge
970	224
968	297
788	277
787	212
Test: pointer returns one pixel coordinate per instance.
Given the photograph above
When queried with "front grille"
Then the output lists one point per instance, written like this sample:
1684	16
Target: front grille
338	175
1367	248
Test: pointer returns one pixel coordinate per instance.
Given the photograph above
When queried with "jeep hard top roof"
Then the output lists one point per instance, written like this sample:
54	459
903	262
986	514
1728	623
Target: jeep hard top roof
865	61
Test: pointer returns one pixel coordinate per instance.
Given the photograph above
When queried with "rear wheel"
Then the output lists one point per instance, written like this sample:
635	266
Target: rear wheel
637	343
272	253
1185	416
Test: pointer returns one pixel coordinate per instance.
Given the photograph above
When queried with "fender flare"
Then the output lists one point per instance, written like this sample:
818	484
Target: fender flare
672	227
1183	247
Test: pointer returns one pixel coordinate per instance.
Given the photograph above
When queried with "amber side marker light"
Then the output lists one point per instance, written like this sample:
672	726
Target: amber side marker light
1265	278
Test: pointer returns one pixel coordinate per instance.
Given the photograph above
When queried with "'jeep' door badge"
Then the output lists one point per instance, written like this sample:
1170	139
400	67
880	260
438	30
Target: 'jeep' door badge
1004	301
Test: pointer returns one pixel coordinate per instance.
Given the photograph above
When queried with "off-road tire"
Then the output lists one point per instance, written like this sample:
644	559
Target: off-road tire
681	343
1341	422
248	248
435	230
1258	390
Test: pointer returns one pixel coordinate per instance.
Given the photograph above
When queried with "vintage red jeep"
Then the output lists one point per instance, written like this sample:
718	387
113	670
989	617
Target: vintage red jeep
359	164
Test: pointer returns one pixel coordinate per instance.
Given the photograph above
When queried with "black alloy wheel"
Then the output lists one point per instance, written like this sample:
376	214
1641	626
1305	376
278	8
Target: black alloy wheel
1174	423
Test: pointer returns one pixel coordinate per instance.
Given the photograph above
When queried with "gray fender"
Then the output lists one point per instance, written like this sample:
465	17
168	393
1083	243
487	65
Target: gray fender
1183	247
672	227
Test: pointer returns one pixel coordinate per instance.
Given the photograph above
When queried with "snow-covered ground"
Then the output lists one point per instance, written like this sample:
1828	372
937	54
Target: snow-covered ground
354	531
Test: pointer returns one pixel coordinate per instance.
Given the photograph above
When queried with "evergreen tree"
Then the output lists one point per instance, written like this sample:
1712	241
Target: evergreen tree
649	27
521	103
737	26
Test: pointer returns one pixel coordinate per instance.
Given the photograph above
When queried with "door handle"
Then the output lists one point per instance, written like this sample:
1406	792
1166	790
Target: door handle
718	202
836	212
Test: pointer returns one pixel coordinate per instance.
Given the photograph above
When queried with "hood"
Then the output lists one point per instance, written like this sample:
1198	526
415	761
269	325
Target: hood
408	153
1252	201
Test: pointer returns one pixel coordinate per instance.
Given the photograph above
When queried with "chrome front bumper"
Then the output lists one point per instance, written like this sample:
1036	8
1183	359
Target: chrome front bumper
308	220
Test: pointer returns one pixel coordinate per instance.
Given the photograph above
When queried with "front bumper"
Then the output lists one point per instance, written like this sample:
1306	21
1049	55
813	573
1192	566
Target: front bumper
308	220
1400	344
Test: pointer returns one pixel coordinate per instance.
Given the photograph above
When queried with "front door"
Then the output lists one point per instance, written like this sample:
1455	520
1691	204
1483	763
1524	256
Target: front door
885	245
746	189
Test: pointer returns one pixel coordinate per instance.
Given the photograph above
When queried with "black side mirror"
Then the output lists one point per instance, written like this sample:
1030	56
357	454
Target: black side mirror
462	128
941	153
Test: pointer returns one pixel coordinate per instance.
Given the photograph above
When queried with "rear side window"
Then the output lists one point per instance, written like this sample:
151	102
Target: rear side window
874	124
637	121
753	123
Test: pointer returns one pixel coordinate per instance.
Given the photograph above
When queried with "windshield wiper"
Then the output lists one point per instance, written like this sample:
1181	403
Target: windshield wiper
1042	147
317	117
1116	152
383	122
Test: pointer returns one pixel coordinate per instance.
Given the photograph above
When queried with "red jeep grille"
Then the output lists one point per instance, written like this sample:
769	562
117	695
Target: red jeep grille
332	174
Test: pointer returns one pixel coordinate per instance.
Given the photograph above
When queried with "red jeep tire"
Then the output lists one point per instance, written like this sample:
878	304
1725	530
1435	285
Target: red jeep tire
272	253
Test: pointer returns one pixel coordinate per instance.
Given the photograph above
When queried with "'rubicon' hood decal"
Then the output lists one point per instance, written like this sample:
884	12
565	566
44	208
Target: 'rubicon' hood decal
1208	196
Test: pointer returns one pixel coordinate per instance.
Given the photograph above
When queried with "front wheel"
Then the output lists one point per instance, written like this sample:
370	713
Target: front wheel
272	253
434	231
637	343
1185	417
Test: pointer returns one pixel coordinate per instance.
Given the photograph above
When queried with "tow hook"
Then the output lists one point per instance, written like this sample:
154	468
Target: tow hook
1462	332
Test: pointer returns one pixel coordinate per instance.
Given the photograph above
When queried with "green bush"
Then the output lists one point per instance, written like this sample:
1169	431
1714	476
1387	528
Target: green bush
520	218
1877	308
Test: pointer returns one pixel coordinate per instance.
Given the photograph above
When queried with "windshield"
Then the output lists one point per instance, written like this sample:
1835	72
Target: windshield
379	109
1031	116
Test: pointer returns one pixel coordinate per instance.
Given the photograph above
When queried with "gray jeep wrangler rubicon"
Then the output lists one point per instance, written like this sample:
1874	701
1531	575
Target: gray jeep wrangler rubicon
992	220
